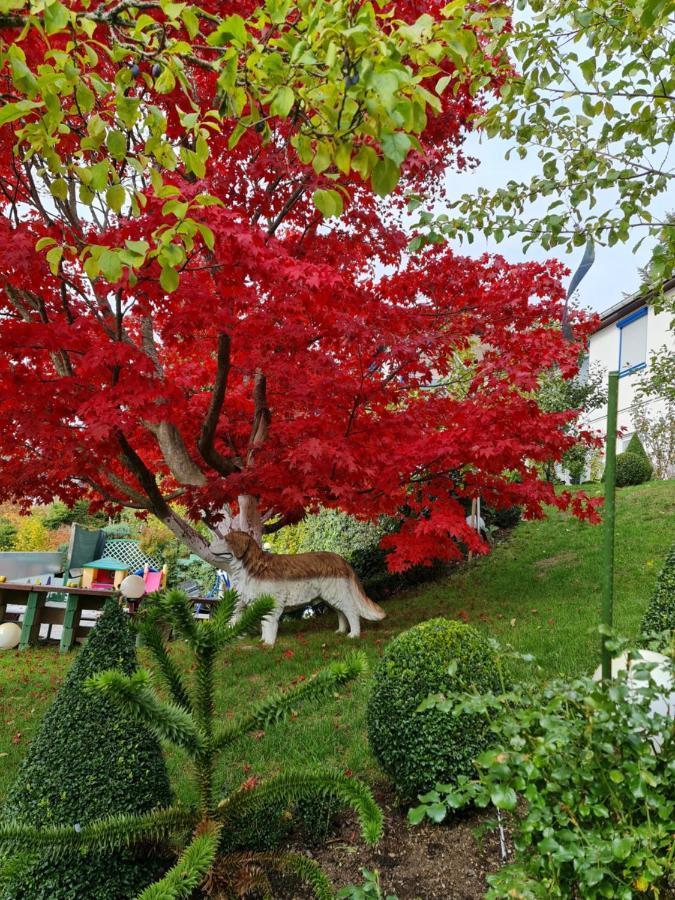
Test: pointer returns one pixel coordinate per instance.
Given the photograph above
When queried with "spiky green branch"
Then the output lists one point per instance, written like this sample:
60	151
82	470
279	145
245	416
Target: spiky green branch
108	834
190	870
280	704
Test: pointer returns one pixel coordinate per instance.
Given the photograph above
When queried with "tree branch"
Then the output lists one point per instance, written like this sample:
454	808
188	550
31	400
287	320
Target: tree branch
208	432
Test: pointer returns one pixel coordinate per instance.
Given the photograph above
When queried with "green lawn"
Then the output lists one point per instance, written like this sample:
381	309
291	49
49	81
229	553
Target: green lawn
540	591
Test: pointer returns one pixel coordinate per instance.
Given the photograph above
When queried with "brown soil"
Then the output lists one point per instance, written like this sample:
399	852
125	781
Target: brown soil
424	862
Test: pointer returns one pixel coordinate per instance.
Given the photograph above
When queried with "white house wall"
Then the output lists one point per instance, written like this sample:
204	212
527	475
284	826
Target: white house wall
604	351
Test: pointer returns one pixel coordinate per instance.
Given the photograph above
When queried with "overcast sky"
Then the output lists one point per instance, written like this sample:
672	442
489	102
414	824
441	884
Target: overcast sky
615	271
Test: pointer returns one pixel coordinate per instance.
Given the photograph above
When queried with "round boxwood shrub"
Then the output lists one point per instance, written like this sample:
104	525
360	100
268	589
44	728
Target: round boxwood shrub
660	614
89	759
419	749
632	468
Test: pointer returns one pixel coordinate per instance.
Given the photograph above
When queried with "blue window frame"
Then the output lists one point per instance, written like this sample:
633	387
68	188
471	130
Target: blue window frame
633	342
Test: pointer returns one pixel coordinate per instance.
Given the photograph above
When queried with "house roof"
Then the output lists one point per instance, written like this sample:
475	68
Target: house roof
107	562
628	305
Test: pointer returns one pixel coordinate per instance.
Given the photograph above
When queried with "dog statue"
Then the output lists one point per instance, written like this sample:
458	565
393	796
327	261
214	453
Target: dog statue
293	580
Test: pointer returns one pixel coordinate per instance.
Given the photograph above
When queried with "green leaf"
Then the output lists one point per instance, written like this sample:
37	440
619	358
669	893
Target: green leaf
116	142
166	81
416	814
54	258
10	112
283	102
168	279
385	177
503	797
110	266
56	17
328	202
396	146
115	197
59	188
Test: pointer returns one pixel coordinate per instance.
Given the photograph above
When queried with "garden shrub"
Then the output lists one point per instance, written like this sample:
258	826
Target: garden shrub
586	773
417	749
89	759
7	534
636	446
631	469
660	614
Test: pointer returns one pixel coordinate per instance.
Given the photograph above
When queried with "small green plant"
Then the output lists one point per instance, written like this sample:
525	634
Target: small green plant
631	469
660	614
417	750
585	772
369	890
207	831
90	759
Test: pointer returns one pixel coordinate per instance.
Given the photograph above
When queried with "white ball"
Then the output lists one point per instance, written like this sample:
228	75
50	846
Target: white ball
132	587
10	635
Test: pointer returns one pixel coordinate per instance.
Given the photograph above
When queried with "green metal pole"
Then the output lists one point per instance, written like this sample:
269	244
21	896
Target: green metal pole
610	515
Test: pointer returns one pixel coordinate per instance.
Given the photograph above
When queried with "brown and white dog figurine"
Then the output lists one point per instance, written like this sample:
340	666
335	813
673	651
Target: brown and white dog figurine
293	580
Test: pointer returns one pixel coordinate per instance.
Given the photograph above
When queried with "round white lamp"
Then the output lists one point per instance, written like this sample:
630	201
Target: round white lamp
10	635
132	587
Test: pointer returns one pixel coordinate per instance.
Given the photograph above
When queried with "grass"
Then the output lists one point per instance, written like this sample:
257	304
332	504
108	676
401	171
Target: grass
540	591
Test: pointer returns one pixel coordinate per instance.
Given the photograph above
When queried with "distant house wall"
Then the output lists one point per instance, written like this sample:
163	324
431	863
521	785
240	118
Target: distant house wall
605	348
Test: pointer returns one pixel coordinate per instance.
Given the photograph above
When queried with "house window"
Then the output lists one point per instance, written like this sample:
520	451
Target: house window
633	342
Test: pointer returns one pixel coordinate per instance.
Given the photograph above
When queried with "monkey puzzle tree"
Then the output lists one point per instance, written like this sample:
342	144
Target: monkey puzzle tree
204	296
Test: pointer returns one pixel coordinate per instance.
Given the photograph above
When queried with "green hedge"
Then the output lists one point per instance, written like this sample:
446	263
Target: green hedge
89	759
632	468
418	749
660	614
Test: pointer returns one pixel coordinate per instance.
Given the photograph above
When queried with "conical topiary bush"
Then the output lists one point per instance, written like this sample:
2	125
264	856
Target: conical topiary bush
660	613
89	759
635	446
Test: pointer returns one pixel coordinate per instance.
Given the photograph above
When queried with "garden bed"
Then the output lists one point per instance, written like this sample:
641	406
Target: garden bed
423	862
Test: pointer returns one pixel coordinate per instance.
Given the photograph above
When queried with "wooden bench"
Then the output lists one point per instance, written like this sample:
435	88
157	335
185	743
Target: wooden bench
67	613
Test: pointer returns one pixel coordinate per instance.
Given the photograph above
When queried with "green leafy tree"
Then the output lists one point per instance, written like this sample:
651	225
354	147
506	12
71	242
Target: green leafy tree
59	513
583	393
594	103
31	535
90	759
7	534
208	830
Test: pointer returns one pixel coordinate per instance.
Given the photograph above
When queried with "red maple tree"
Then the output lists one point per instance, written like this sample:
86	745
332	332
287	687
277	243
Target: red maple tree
272	361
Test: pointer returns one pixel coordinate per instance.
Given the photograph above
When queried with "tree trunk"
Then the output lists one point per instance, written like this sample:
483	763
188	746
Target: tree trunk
249	519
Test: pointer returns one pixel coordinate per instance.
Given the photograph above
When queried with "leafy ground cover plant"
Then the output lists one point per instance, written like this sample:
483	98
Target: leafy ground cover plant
660	615
205	832
369	890
585	772
417	749
90	759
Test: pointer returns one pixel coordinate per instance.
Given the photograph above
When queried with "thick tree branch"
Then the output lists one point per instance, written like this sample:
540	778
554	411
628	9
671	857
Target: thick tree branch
175	454
208	432
261	416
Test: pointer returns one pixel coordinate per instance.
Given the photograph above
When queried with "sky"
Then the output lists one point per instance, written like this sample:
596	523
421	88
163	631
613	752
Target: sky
615	272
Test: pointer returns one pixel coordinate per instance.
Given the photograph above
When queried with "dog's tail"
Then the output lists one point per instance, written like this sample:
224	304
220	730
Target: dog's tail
364	605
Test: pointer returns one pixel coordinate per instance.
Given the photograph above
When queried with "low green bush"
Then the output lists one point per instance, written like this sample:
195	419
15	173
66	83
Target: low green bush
660	614
418	748
631	469
585	772
89	759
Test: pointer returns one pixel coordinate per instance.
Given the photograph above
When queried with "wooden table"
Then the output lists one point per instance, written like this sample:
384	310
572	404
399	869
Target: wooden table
68	613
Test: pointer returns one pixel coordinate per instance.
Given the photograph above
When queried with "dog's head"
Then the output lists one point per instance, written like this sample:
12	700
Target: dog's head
233	546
